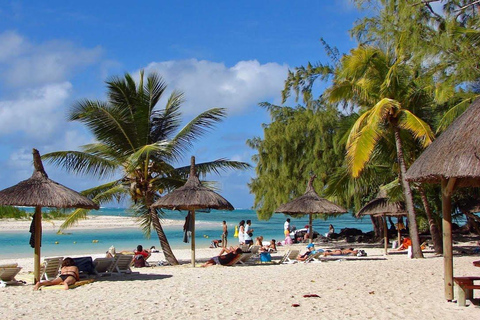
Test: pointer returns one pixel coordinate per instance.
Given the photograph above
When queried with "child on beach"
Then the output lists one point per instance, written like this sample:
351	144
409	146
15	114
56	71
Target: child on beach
68	275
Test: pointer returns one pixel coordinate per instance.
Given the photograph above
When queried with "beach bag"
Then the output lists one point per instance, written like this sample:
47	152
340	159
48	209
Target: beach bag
139	261
265	257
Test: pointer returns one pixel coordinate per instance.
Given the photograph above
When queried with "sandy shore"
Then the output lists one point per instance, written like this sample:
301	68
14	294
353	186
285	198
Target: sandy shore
394	287
92	222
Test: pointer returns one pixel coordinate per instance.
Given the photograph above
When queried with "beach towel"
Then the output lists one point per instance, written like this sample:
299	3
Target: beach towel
187	228
73	286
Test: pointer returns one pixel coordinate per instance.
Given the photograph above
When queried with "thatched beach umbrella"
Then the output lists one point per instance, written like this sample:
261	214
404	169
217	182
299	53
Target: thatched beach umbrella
310	203
453	160
192	196
381	206
39	191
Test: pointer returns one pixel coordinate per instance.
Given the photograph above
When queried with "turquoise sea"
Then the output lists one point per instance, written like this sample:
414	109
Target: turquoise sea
208	227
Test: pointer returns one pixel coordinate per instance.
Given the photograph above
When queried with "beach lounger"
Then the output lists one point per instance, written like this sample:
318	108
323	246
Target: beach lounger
235	261
104	266
314	257
245	257
290	256
122	263
50	268
7	276
245	247
254	249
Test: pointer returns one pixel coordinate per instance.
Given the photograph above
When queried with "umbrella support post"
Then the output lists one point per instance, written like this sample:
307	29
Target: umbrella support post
193	239
310	230
447	189
38	239
385	234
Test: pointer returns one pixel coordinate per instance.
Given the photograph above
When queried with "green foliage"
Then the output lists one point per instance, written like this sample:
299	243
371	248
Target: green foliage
298	143
8	212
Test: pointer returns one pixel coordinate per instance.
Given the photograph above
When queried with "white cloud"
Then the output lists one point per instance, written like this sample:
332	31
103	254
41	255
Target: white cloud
12	45
36	113
26	63
211	84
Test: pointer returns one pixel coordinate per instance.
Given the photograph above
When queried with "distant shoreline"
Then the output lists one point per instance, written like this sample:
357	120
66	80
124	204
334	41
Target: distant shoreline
92	222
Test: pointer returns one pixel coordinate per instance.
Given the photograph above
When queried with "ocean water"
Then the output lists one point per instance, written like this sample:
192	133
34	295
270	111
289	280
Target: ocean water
208	226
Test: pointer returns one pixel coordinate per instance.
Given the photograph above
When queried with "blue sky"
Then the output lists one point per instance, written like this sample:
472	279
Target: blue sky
231	54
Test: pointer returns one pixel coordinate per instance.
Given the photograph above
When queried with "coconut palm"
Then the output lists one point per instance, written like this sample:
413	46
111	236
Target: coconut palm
385	90
137	144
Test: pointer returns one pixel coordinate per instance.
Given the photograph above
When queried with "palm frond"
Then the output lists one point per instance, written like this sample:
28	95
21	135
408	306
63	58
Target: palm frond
360	150
196	128
454	112
82	163
215	166
419	128
74	218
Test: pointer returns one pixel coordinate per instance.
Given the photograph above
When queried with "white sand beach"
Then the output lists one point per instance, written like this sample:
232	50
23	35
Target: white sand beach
391	288
91	222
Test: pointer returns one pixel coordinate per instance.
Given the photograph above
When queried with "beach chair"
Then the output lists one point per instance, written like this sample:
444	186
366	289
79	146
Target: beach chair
122	263
49	269
245	257
244	247
7	276
314	257
290	256
235	261
104	266
254	249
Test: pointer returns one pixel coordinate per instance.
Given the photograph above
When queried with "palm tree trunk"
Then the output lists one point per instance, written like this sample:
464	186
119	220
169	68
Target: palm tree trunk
413	228
167	251
377	227
434	230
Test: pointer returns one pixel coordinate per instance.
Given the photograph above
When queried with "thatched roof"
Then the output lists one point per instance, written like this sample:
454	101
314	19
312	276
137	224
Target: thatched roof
310	203
454	154
192	196
382	206
40	191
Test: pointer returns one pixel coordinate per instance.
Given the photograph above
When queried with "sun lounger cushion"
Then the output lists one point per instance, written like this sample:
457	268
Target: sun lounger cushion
73	286
84	265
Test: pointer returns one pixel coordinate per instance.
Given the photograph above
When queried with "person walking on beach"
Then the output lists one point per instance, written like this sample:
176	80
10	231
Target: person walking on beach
286	227
224	234
248	232
241	232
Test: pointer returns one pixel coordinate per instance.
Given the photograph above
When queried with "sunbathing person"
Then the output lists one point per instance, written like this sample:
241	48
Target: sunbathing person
340	252
271	247
68	275
310	250
224	259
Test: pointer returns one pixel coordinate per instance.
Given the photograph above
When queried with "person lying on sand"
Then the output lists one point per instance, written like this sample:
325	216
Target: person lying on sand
68	275
340	252
224	259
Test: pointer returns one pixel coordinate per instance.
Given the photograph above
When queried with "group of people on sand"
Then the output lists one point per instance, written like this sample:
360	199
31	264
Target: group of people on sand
335	252
69	273
288	229
245	232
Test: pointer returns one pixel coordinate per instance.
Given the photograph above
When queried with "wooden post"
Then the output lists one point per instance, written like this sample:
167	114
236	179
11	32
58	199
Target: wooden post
447	189
193	238
310	230
38	243
385	234
399	232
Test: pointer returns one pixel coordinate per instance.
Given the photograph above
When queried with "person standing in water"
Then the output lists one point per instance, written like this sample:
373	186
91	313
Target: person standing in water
224	234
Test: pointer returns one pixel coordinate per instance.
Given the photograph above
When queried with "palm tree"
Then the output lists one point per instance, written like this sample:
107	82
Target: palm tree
386	92
138	143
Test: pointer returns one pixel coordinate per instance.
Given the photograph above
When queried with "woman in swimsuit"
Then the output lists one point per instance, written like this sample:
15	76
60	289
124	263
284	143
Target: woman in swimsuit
68	275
